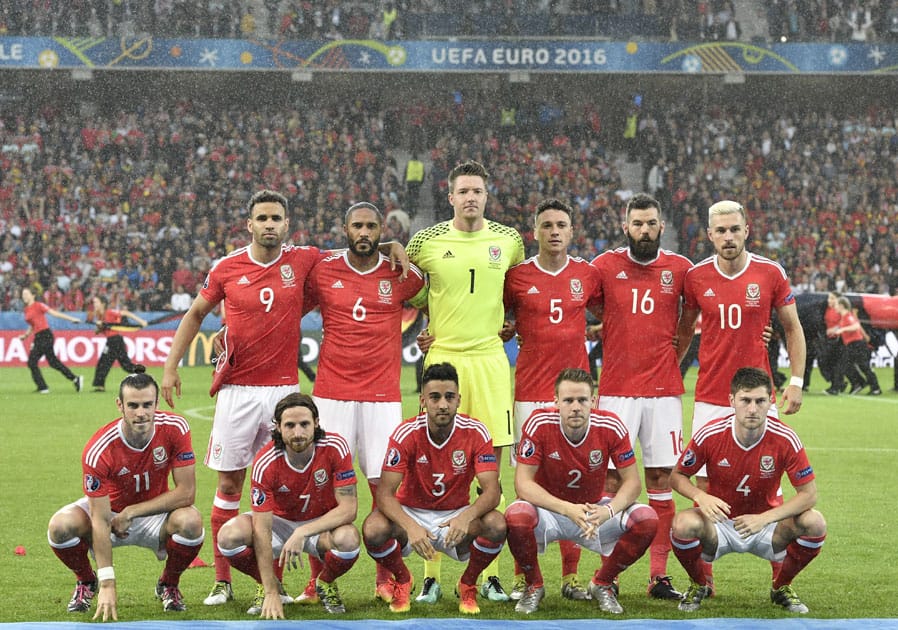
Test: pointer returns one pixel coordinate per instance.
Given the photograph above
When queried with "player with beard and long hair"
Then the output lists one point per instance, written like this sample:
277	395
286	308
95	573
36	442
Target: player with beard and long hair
303	501
640	289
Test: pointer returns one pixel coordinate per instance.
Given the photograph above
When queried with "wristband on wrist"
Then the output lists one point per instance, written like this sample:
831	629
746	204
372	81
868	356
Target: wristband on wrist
105	573
610	511
797	381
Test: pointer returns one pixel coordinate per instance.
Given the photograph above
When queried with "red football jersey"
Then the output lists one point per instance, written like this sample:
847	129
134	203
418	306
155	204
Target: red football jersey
361	312
641	310
550	314
126	475
301	495
439	477
734	313
574	472
35	316
748	479
263	306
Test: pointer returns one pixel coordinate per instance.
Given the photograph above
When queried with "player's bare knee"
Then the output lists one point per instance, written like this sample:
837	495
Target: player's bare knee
492	526
236	532
186	522
68	523
231	481
811	523
687	524
345	538
376	530
657	479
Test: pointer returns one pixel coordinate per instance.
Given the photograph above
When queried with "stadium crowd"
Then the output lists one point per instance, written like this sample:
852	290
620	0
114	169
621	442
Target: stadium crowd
791	20
136	203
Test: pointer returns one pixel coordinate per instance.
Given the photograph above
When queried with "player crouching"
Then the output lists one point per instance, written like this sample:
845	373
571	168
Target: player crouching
747	453
435	457
303	501
126	467
563	459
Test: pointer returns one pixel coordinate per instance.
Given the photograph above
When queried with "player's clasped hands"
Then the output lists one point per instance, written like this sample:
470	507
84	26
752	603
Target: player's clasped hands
588	517
457	529
716	509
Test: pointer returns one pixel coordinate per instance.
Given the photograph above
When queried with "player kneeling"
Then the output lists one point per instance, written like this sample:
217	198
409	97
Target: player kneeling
435	457
303	501
562	459
746	454
126	466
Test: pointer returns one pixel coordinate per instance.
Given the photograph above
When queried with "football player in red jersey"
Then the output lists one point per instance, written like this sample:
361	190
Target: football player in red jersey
640	290
262	288
563	457
128	501
746	453
361	301
423	498
546	297
303	501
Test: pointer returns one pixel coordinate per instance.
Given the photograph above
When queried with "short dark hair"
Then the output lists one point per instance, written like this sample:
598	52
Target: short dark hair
575	375
749	378
287	402
552	203
265	196
642	201
440	372
470	167
363	205
139	379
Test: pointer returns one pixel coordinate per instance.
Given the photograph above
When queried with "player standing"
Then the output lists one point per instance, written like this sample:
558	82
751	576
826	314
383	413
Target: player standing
361	301
547	297
126	465
423	498
641	288
303	501
735	291
261	286
562	459
746	453
465	260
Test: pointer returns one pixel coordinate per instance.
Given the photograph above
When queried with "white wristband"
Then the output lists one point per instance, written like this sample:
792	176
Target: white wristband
105	573
797	381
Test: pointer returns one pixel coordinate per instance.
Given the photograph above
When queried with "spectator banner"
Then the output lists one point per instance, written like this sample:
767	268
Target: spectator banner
724	57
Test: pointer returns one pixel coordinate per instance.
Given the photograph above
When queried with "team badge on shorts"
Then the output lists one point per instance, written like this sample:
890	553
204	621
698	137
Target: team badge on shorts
216	452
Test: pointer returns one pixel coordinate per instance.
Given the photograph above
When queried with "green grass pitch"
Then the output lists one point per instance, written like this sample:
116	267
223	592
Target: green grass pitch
852	443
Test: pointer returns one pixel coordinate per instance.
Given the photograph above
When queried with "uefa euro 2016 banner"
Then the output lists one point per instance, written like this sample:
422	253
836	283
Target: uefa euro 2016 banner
440	56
